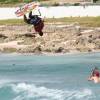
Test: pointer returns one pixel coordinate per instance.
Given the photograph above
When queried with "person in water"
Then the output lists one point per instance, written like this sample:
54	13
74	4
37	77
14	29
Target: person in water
36	21
95	76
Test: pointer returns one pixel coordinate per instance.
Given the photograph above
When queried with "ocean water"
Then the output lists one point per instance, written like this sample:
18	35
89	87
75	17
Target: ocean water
42	77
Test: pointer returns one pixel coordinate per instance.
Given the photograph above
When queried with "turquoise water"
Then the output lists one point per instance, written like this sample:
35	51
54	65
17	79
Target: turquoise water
41	77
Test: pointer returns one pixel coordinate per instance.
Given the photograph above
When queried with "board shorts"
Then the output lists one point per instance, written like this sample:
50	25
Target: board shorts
39	26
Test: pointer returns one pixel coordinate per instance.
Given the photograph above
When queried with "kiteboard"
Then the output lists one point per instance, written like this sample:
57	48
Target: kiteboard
26	8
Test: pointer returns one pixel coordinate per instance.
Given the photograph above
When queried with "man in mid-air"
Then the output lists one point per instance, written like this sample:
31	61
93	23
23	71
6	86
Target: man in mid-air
36	21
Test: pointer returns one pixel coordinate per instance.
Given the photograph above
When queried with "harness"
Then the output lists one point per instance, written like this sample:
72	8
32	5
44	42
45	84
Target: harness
35	20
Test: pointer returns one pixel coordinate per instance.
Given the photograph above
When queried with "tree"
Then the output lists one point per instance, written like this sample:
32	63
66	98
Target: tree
94	1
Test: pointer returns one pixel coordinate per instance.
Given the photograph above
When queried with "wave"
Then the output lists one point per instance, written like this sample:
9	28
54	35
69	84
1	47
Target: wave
23	91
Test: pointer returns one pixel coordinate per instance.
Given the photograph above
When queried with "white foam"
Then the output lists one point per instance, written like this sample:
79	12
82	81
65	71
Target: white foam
30	91
83	93
33	91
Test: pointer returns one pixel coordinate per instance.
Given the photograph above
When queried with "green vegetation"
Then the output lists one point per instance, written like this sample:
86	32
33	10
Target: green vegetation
8	1
95	1
14	3
18	1
85	21
12	22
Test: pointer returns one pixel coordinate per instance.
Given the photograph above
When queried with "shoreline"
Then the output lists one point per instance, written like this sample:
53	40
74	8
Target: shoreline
50	54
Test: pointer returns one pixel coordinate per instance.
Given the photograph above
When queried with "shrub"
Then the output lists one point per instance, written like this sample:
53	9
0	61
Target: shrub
56	4
76	4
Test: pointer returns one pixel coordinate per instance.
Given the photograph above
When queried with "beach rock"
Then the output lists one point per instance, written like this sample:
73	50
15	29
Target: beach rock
37	50
59	50
90	36
81	40
3	36
79	34
57	38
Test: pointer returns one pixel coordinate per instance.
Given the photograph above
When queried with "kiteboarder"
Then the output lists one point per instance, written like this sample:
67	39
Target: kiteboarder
36	21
